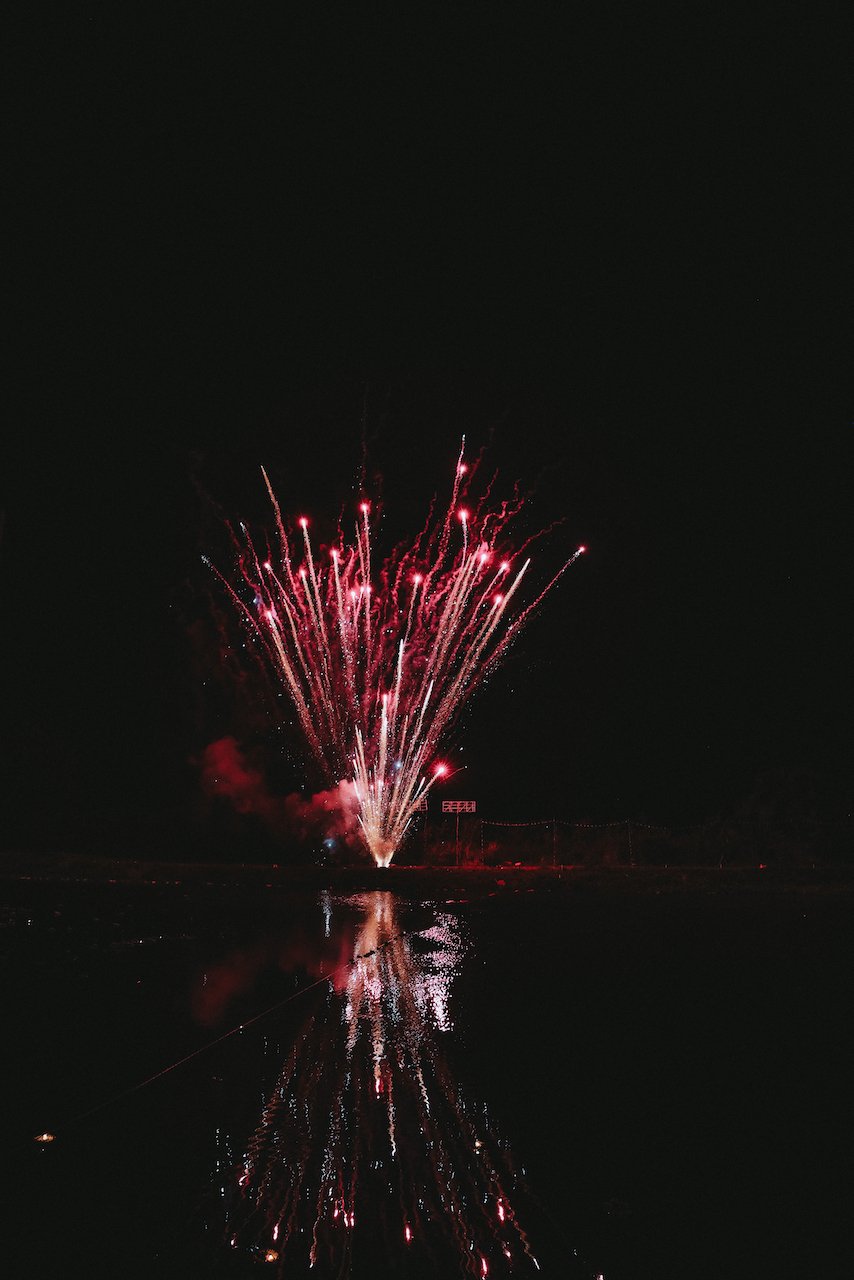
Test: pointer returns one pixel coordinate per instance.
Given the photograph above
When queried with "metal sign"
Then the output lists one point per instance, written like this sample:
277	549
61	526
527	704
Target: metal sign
459	806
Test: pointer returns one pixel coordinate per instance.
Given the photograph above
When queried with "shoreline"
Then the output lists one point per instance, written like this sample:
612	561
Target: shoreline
424	880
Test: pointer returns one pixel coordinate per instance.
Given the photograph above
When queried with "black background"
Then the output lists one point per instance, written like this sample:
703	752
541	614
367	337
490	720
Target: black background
612	245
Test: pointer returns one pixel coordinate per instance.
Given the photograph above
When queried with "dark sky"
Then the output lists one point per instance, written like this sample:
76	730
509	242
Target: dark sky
612	246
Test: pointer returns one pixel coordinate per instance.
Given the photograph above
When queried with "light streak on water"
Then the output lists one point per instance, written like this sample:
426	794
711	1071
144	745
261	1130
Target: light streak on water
365	1146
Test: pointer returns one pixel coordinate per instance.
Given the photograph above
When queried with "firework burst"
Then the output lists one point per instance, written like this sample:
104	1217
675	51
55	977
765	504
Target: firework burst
377	670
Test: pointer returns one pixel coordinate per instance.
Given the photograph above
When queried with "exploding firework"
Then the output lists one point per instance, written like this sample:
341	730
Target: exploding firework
377	671
365	1149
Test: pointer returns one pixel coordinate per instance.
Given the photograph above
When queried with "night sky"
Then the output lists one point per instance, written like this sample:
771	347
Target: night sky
611	248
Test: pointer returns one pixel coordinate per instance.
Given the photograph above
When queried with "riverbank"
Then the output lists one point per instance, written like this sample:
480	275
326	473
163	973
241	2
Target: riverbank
427	881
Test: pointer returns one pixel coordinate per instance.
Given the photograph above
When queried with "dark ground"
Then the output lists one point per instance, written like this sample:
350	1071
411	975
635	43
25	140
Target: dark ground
427	881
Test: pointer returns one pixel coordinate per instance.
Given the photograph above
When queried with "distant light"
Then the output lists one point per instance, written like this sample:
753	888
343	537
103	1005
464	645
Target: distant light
267	564
463	468
581	550
365	508
463	514
44	1138
271	1255
504	566
303	522
407	1233
440	770
417	579
498	598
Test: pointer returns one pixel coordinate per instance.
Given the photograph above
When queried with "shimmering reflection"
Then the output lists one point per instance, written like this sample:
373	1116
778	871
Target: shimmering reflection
365	1152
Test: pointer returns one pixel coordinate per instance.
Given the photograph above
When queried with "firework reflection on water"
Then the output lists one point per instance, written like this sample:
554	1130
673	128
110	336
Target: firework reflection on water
366	1159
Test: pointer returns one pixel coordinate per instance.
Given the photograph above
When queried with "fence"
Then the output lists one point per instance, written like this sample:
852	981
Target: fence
469	840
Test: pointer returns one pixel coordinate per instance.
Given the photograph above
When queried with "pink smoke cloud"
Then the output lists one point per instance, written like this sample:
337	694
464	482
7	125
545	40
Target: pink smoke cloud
224	771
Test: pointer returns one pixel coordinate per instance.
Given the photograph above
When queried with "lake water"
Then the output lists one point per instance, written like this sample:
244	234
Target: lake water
534	1083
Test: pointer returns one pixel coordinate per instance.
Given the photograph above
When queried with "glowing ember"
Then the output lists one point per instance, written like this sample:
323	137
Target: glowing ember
377	675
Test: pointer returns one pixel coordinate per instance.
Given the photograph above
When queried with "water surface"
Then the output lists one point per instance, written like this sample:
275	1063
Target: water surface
632	1086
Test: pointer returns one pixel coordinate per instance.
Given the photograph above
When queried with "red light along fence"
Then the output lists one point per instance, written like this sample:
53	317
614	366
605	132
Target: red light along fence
465	839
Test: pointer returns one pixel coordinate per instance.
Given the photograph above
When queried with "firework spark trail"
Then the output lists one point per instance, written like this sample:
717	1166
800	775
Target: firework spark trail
377	676
365	1144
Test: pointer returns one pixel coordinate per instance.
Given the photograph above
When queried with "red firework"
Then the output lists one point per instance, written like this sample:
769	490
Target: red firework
377	674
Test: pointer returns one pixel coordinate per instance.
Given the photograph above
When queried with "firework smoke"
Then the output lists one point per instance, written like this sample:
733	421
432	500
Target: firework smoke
377	671
225	772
